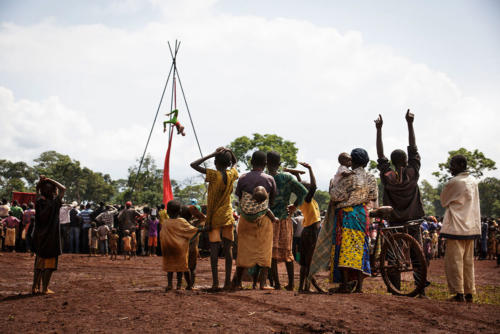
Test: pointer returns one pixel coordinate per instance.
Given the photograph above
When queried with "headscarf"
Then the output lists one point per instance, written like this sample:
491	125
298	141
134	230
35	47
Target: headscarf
360	157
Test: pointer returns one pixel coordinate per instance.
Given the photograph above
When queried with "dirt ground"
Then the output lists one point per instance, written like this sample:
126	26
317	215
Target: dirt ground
97	295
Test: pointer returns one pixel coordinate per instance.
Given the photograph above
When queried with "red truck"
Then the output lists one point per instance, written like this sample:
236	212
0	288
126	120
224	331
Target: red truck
23	198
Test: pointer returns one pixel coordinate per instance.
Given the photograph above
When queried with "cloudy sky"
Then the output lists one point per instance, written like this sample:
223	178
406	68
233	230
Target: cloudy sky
84	77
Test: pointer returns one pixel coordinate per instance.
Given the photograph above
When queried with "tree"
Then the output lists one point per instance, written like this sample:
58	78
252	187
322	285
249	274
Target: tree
477	164
243	147
431	199
15	176
190	188
323	198
148	184
489	194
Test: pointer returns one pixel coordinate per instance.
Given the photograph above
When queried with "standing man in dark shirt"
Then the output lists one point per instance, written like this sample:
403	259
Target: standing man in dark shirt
46	235
401	183
75	225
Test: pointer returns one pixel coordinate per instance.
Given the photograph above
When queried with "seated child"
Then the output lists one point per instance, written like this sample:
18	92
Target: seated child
93	239
127	245
175	235
113	243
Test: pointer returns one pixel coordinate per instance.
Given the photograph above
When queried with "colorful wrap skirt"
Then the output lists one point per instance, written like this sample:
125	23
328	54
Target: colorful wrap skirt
350	241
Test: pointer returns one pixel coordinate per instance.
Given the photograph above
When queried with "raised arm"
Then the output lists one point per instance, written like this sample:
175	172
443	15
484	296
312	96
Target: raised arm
61	189
196	165
312	183
411	133
380	146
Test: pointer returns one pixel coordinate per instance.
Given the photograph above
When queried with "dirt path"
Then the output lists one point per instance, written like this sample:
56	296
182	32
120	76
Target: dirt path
97	295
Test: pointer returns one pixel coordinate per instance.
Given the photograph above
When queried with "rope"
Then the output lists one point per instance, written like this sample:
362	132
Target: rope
187	108
152	127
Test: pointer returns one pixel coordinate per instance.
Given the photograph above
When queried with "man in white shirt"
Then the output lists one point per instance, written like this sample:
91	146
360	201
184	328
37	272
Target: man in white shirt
64	223
461	225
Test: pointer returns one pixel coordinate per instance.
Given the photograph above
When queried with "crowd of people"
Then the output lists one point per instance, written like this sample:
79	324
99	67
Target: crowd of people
264	228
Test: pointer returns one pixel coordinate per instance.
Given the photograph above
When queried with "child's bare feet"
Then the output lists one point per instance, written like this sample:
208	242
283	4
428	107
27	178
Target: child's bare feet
48	292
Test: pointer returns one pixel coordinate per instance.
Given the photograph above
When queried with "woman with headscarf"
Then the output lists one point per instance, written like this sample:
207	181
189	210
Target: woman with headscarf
343	242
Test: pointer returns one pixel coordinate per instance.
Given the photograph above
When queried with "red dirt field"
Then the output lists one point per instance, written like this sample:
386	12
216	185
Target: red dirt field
96	295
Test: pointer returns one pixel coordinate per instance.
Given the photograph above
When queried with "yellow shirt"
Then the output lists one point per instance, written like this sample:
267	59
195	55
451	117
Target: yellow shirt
163	216
311	213
219	209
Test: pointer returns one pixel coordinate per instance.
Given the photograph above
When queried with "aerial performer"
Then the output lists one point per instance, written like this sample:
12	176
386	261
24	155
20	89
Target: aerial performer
173	120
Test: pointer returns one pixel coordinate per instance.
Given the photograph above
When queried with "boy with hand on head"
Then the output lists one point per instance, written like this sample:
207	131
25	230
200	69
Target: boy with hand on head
46	239
175	235
312	218
219	210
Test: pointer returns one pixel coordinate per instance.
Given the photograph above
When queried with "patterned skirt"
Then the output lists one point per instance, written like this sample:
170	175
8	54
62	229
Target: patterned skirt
350	241
282	240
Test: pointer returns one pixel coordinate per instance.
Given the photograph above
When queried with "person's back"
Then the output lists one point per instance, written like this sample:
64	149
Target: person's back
460	197
461	226
400	184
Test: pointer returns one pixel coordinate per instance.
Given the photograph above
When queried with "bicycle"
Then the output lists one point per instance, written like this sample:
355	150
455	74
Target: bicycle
401	262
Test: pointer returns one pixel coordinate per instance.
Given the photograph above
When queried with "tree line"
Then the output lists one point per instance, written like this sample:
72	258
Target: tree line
85	185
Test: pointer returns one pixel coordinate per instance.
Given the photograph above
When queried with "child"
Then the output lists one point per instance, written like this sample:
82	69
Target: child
188	213
311	221
113	244
152	235
343	170
175	235
219	209
102	232
173	120
93	239
133	242
259	196
127	245
11	224
46	238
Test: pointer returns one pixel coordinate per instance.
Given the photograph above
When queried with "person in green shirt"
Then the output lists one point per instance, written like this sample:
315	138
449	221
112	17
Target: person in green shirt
286	184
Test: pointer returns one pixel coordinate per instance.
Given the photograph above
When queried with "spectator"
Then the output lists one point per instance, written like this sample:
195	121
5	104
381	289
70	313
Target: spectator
461	225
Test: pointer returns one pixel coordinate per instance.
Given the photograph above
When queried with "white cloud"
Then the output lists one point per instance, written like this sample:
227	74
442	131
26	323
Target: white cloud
242	74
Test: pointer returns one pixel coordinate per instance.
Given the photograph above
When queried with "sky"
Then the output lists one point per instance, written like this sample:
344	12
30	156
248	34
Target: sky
84	78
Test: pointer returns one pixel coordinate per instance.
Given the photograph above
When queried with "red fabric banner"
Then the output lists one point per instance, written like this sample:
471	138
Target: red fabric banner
167	186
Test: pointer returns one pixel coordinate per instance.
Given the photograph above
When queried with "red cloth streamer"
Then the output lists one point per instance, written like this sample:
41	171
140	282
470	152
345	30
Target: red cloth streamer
167	186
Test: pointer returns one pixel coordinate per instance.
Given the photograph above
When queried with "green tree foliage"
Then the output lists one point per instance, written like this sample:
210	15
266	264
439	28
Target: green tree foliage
243	147
489	194
148	188
477	164
15	176
190	188
431	199
323	198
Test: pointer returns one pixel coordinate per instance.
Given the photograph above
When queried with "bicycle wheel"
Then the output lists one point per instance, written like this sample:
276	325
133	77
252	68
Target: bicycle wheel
402	265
